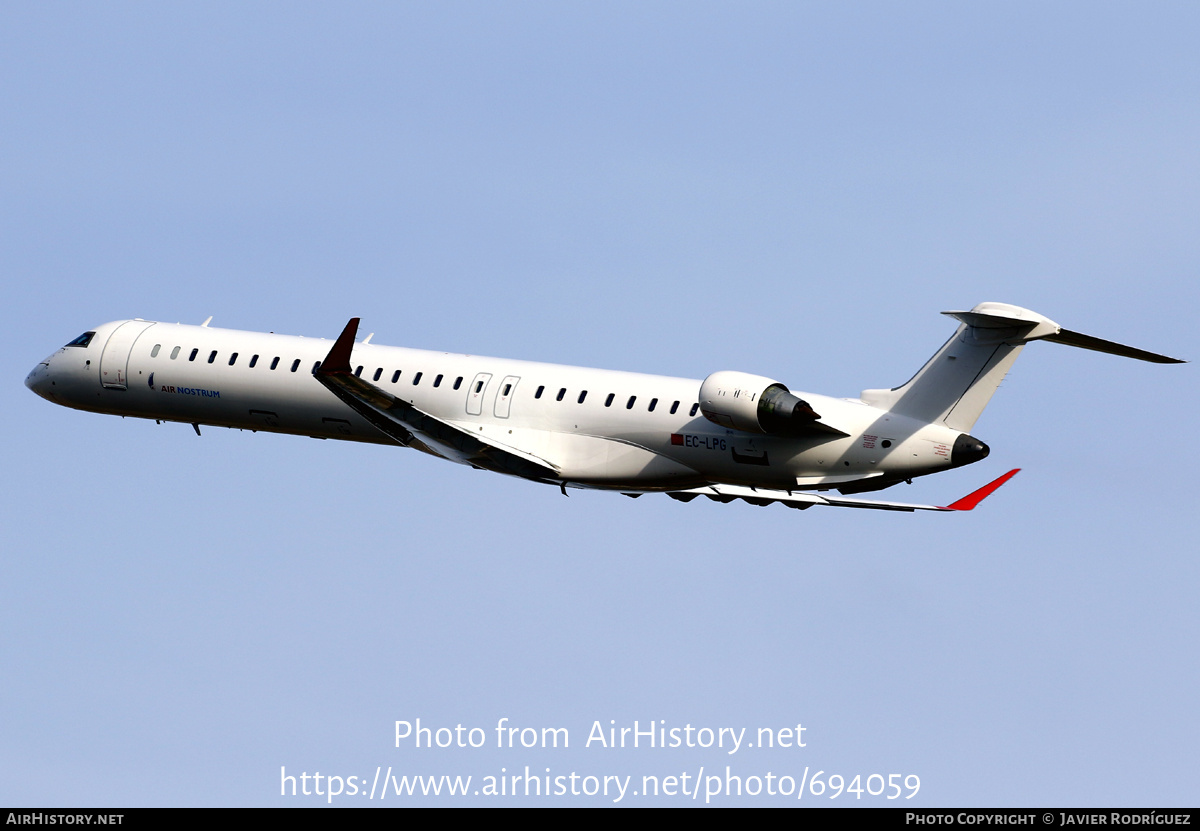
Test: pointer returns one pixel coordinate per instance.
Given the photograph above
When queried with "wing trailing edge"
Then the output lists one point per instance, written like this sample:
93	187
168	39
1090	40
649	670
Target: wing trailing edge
802	500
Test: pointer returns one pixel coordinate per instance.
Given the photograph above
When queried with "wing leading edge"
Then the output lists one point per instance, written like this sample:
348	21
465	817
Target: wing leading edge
409	425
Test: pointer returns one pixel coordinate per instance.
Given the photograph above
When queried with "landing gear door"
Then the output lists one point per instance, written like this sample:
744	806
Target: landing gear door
114	360
475	393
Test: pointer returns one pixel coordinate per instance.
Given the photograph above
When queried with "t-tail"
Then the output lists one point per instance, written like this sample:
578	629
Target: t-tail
958	381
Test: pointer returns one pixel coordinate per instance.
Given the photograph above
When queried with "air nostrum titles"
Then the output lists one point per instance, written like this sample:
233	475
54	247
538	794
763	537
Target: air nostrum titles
190	391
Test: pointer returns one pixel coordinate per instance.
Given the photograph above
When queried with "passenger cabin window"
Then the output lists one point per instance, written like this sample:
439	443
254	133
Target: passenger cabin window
378	373
653	404
478	387
608	401
275	362
560	395
83	340
395	376
417	378
253	361
674	407
629	403
154	351
437	382
175	353
232	358
358	371
541	390
582	396
695	407
458	382
316	366
295	364
192	356
507	389
212	356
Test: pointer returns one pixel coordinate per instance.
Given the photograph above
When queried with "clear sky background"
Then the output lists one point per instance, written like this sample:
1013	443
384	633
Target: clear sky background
794	190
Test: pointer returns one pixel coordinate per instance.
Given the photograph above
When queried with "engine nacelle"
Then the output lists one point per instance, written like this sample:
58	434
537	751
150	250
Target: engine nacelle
755	404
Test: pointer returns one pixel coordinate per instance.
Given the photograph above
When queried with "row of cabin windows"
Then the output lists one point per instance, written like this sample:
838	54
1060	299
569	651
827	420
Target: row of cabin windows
212	357
437	382
608	401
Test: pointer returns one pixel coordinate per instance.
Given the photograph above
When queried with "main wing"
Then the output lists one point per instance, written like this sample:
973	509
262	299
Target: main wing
802	500
409	425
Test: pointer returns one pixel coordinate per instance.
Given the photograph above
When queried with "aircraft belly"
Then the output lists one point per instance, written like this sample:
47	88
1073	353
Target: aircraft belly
604	462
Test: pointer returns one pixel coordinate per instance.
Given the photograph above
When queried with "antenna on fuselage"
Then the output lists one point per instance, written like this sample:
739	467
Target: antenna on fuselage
207	321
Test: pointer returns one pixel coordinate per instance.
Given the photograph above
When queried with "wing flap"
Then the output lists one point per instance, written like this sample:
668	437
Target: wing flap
802	500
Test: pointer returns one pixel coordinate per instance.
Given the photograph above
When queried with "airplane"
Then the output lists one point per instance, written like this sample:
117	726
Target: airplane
731	436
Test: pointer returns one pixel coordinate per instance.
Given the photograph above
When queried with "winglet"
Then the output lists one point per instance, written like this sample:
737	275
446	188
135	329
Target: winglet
972	499
338	359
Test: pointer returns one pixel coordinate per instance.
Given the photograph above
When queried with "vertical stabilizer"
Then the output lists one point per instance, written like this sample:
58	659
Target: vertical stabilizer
956	383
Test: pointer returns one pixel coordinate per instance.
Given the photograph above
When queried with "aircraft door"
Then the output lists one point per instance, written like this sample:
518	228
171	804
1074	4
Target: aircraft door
114	360
475	393
504	397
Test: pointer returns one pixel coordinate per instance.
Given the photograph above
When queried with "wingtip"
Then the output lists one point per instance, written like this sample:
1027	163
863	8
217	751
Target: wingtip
338	359
972	499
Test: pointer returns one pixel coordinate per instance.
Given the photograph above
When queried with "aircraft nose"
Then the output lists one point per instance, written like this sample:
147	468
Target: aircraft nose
968	450
38	380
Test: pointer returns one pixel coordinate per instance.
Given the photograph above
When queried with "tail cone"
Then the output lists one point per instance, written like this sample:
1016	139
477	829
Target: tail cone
968	450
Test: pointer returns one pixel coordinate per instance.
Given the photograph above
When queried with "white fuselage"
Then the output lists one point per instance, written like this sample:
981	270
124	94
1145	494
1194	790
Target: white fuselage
599	428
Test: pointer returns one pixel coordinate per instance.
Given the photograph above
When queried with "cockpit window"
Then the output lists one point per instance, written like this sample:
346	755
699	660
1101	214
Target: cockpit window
83	340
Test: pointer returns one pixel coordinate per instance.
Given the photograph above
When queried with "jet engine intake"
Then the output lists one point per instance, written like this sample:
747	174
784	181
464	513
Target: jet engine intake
755	404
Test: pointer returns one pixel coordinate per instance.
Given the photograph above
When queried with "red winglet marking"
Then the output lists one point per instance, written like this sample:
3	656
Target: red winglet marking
972	499
338	359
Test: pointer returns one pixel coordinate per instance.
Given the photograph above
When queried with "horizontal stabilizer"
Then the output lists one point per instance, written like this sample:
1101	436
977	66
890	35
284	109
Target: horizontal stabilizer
1098	345
958	381
1016	325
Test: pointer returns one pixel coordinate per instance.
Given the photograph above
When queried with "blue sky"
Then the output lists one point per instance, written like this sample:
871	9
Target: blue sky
794	190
